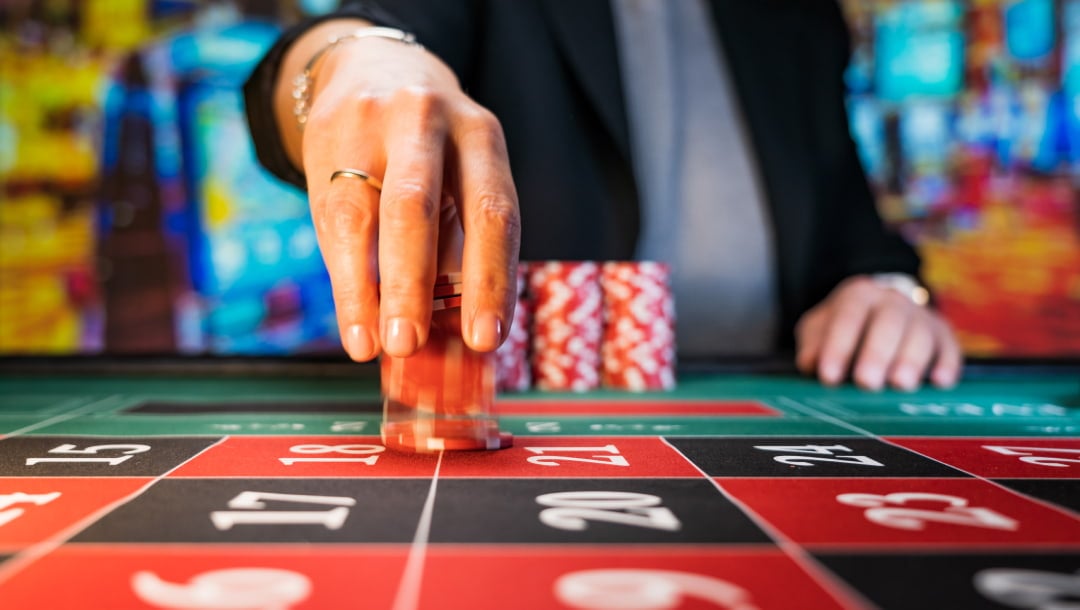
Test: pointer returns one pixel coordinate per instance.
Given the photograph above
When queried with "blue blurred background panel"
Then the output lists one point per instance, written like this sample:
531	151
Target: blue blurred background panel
919	50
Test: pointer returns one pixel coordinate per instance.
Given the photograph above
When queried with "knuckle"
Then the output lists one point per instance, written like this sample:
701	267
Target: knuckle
420	100
809	321
875	355
478	119
913	358
403	293
368	105
358	107
343	218
412	202
833	349
498	212
488	284
850	313
349	296
865	290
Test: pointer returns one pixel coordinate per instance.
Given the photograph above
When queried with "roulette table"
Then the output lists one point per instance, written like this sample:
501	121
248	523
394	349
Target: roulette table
264	484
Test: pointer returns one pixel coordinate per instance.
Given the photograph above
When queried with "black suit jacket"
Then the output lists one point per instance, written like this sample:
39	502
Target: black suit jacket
549	70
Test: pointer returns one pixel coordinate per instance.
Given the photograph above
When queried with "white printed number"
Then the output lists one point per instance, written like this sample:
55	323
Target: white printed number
1028	455
126	451
249	509
1034	589
572	510
607	455
248	588
371	451
626	588
808	454
891	511
7	501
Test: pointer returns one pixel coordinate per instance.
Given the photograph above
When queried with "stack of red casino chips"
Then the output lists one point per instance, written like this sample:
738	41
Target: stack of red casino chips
567	325
441	397
512	372
639	327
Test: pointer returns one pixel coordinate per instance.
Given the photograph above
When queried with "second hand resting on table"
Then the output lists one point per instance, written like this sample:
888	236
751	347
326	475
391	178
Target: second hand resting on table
397	112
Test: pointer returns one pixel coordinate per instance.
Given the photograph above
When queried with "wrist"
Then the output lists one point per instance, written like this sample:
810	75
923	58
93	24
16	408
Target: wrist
304	83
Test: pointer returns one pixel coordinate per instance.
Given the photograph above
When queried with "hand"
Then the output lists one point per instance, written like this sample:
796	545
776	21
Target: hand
398	113
882	333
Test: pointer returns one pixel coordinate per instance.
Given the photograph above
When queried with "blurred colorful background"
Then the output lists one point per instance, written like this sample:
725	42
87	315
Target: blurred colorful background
134	218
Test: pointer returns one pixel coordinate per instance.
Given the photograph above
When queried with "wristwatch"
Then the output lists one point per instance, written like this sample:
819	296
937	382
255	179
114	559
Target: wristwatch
905	285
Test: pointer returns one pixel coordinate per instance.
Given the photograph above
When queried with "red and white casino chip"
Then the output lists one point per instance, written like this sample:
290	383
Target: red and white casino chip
512	373
638	351
567	325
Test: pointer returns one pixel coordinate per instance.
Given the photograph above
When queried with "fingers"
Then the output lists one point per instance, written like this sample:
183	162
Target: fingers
849	312
888	338
345	213
387	111
383	251
809	335
950	359
915	354
881	341
492	224
408	224
927	339
345	216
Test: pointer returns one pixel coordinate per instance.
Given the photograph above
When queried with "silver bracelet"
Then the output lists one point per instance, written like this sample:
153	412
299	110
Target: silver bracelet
305	81
905	285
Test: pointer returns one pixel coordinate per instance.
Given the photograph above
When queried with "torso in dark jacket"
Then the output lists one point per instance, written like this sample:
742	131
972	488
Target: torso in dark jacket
549	70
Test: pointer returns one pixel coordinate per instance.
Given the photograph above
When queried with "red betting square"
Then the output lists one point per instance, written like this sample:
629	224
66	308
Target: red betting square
1003	458
540	577
635	407
558	457
305	456
34	509
903	512
207	576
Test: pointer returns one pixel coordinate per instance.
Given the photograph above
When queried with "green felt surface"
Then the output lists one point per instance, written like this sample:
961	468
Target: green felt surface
1012	405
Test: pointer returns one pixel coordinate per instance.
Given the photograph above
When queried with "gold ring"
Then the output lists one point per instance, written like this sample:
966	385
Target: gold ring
359	174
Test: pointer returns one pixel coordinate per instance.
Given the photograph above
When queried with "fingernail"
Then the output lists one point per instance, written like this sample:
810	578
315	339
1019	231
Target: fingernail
401	337
358	343
871	376
905	379
830	373
944	379
486	331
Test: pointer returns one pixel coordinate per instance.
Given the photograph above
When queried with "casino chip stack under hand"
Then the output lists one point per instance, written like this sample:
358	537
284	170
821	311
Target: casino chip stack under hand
639	327
567	325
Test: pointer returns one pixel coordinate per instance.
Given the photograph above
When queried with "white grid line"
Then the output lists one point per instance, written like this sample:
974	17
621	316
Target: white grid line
55	419
408	594
36	551
833	585
854	428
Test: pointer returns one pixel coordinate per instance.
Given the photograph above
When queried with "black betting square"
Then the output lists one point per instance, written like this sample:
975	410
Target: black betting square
588	511
97	456
925	580
1062	492
267	510
807	456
